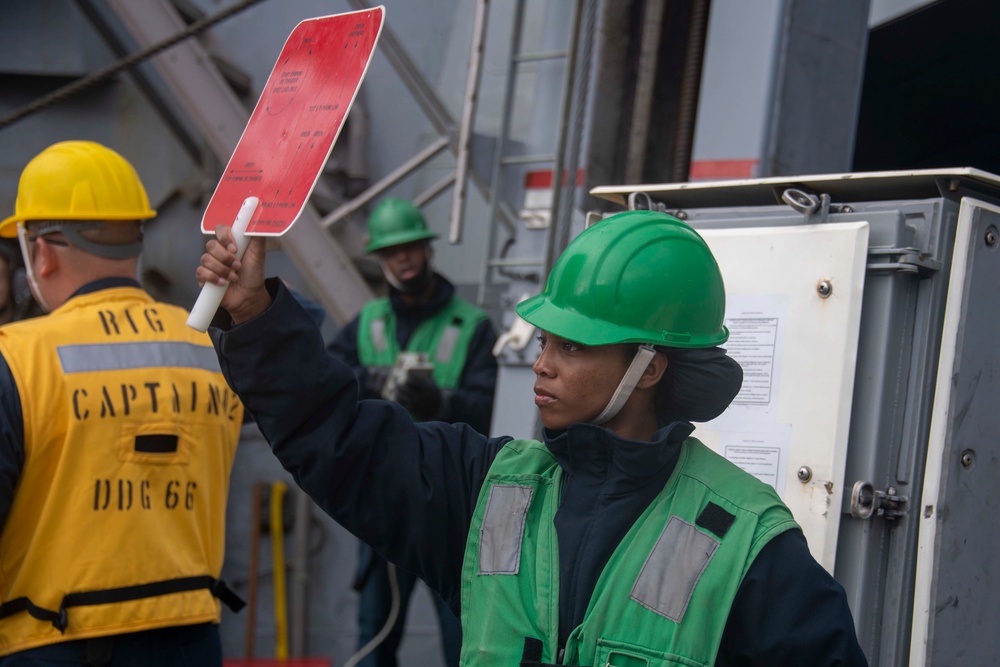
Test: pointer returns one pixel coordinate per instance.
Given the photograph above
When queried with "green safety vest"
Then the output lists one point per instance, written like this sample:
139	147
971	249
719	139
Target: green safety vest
445	337
665	594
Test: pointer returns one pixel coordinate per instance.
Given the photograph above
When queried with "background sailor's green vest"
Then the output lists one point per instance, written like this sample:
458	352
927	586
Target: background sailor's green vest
445	337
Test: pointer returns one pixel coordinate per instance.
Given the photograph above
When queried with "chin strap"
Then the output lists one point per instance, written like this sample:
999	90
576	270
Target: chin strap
29	270
387	274
635	370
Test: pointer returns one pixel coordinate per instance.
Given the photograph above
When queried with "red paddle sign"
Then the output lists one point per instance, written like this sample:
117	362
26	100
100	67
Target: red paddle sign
297	120
290	135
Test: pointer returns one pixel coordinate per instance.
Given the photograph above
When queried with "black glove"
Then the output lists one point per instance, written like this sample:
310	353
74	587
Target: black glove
375	377
420	396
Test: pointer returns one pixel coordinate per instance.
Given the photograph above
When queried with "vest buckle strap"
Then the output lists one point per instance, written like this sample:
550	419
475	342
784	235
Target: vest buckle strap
227	596
60	619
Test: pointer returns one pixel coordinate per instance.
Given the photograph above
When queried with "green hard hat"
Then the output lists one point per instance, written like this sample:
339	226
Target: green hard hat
394	222
634	277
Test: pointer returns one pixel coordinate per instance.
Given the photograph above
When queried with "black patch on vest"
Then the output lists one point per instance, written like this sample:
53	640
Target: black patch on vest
156	444
457	321
532	650
715	519
533	654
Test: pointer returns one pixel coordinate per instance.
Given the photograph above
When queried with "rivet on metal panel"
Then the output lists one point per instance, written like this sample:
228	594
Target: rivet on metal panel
968	459
991	237
824	288
804	474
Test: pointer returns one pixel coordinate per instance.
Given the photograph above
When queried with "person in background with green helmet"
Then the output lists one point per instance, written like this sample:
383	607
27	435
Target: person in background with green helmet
117	436
420	323
618	539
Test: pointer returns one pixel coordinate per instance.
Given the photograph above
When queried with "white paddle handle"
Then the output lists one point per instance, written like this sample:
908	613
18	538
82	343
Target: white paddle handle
211	294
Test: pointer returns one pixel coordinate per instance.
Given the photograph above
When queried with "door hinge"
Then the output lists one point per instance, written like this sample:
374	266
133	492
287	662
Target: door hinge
906	260
867	501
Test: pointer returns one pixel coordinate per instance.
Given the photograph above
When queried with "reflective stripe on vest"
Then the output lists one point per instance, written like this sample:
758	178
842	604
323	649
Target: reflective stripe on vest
503	529
377	336
445	349
121	356
673	569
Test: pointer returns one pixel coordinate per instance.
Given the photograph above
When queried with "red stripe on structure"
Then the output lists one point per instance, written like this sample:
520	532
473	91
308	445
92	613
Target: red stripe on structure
709	169
542	180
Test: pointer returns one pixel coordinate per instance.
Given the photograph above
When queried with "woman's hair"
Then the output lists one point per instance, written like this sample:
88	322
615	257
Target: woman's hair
698	385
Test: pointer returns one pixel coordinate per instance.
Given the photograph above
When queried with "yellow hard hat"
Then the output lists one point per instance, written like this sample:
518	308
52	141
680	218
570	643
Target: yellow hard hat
78	180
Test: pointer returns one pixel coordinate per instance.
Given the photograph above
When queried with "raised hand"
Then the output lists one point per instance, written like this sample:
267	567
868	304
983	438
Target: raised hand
246	296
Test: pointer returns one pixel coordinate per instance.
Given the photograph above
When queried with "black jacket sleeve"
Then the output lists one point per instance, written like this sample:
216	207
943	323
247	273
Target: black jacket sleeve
344	346
789	611
11	439
406	489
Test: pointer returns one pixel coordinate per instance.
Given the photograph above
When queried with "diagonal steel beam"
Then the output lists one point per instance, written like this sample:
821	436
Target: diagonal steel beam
433	108
418	86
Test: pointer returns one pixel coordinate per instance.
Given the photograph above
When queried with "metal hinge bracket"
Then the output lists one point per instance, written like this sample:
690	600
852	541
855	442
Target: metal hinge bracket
906	260
867	501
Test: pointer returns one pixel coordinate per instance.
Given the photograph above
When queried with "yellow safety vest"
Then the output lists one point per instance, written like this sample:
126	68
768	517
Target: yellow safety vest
130	431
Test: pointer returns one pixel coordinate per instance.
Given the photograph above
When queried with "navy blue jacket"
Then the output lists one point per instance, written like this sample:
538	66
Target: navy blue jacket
409	490
472	401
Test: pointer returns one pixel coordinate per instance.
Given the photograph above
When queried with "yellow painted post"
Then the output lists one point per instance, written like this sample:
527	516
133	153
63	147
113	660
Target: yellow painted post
278	556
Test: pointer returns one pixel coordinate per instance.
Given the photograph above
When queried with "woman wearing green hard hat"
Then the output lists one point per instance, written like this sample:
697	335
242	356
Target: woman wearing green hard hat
617	539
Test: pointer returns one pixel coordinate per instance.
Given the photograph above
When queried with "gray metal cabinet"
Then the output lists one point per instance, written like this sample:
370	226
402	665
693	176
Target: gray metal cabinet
865	307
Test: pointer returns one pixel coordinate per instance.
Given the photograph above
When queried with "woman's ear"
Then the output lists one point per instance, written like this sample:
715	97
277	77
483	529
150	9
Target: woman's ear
654	371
